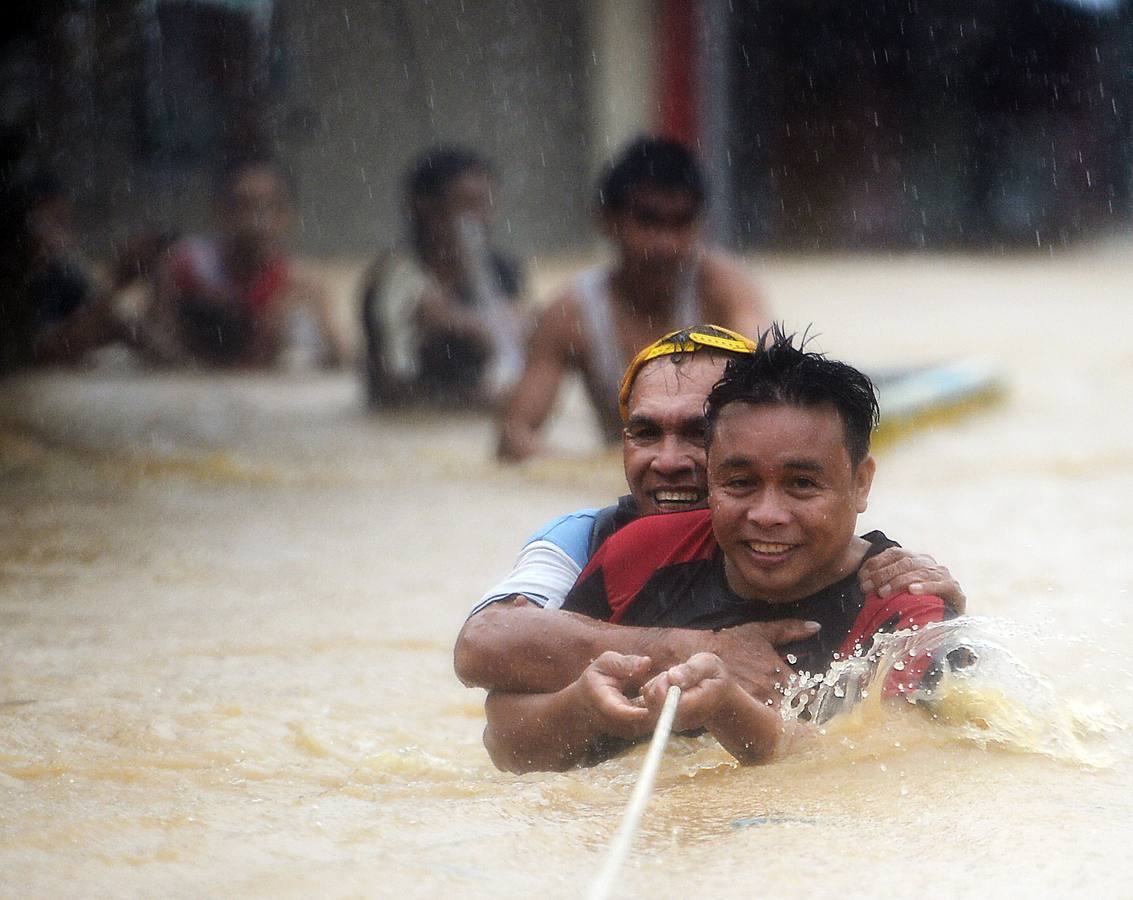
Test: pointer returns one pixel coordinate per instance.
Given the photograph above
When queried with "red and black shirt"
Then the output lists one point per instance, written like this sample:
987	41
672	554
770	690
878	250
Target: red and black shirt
668	571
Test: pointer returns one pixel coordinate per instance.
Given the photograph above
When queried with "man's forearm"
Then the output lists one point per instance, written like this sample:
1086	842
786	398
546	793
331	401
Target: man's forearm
528	649
536	732
439	311
533	397
746	728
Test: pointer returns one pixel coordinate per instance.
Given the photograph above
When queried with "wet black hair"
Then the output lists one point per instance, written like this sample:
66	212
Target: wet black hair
781	373
438	167
654	162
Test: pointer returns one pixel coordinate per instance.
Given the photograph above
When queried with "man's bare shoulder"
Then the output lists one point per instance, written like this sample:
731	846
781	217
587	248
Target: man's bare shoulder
306	280
730	293
723	271
559	325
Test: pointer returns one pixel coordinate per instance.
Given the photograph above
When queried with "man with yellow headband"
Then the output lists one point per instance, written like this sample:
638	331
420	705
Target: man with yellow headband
517	638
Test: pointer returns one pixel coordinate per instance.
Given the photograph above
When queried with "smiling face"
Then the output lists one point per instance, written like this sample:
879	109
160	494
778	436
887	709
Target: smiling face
785	497
663	443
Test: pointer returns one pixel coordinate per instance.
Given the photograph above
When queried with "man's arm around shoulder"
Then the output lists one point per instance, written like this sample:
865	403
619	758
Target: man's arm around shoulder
514	646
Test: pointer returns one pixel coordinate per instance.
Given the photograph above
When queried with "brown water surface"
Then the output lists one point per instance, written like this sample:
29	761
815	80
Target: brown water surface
227	607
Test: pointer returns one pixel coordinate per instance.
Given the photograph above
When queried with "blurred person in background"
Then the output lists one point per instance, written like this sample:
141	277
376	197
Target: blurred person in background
238	298
75	306
651	205
442	315
67	296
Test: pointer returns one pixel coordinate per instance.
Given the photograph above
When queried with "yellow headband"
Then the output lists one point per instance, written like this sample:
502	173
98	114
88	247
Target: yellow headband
687	340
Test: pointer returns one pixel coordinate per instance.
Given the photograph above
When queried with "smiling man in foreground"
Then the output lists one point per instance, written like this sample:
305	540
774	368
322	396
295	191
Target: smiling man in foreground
518	639
789	471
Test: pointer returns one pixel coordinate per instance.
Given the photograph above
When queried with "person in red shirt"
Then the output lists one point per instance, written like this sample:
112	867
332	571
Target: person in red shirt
518	639
789	471
238	298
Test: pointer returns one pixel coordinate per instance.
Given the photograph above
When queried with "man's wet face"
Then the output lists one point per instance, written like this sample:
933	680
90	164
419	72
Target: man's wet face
259	207
785	497
663	444
656	230
467	197
470	195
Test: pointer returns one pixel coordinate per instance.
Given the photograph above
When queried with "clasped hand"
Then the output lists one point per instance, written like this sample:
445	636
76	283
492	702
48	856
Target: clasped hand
626	705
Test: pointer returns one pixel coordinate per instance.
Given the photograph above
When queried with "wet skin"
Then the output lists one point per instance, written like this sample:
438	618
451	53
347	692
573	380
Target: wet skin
258	209
656	232
785	497
663	446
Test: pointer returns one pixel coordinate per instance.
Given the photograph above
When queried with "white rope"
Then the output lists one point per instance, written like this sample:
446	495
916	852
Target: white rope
600	890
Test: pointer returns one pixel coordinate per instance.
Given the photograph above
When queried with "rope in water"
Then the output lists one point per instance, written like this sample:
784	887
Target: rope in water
600	890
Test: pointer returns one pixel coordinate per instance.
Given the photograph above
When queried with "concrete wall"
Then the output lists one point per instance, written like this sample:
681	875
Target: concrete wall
362	88
384	80
622	36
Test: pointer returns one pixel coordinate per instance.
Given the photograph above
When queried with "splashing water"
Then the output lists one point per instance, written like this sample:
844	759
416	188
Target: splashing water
972	688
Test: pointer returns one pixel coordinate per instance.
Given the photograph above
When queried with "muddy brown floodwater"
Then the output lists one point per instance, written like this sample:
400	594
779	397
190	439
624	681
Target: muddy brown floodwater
227	607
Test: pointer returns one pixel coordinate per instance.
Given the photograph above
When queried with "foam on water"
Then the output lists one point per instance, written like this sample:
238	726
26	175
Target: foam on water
964	682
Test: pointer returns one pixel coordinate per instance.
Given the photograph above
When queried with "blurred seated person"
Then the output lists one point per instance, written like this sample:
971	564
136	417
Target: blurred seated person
651	205
77	307
238	298
69	298
442	315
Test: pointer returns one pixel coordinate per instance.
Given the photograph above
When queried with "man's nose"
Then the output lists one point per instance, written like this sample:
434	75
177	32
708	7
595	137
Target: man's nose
769	509
673	456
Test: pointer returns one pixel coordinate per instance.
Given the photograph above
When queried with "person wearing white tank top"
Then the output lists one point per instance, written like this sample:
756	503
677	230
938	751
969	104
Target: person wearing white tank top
651	205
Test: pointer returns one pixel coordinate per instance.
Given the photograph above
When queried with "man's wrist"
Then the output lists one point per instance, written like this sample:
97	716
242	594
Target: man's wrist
667	647
580	721
745	724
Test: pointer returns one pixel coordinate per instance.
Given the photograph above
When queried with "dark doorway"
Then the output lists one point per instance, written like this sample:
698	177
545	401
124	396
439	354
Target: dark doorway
911	124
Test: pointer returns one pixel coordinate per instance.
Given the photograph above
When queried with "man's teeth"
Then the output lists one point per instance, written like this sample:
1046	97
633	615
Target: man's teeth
676	496
760	547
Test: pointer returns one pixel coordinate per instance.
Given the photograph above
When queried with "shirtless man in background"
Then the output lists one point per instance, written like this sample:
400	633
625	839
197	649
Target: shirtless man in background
651	206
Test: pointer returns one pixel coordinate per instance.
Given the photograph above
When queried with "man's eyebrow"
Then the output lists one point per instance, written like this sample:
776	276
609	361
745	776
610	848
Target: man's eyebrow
696	422
804	464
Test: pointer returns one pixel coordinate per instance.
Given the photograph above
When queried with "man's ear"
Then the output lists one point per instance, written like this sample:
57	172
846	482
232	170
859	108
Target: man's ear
420	207
863	481
608	223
